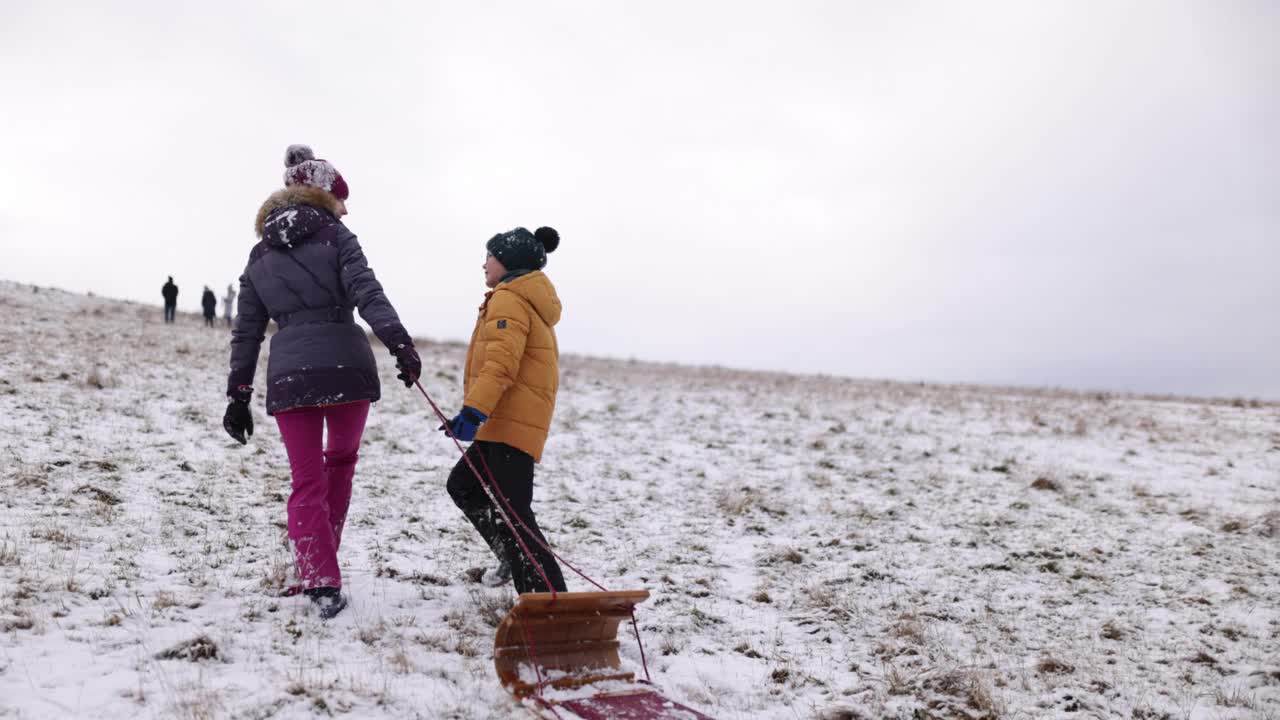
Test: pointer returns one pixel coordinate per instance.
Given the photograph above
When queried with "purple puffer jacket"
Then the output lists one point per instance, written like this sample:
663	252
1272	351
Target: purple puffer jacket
306	274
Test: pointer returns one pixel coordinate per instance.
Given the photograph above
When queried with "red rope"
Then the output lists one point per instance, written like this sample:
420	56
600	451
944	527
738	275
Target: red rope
495	495
549	705
503	500
533	657
537	539
491	491
636	629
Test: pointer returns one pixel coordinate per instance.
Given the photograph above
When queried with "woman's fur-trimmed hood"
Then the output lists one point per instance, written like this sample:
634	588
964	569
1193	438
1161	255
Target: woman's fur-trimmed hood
296	195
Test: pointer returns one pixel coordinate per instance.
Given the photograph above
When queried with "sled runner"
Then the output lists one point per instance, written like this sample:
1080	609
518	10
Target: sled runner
641	705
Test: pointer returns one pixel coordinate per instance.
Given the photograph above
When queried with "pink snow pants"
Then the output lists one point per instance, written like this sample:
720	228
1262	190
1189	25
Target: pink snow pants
322	469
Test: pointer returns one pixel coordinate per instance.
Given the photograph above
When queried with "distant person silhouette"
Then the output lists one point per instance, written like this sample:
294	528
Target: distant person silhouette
170	293
210	303
229	303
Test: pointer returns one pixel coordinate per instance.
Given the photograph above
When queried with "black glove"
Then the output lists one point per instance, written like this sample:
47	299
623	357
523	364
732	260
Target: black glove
238	420
409	363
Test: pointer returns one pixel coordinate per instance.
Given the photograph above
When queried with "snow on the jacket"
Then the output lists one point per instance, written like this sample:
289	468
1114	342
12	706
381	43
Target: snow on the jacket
815	547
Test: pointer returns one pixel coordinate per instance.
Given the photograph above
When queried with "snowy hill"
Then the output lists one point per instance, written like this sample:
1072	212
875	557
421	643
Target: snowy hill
816	547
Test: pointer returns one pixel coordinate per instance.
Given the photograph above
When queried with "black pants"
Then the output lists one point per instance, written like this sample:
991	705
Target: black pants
513	473
169	310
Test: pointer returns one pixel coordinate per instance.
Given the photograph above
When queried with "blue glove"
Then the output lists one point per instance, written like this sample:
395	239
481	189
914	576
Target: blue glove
465	424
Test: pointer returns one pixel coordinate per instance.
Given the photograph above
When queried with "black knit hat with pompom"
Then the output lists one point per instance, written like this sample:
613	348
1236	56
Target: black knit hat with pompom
520	249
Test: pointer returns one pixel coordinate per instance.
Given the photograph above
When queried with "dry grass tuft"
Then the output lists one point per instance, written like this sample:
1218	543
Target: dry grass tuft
737	501
842	713
1112	631
101	378
1269	524
1045	482
968	687
1235	697
491	607
1234	525
193	650
1054	666
1203	658
671	643
20	621
9	552
910	628
103	496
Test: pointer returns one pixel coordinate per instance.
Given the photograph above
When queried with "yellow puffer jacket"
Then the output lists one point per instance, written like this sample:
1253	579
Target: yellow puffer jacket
513	363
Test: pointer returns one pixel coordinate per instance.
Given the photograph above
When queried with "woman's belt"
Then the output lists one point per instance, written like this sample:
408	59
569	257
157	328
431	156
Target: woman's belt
315	315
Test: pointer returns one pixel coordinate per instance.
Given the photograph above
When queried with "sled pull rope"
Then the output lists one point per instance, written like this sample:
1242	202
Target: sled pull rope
530	533
636	629
491	489
548	705
528	641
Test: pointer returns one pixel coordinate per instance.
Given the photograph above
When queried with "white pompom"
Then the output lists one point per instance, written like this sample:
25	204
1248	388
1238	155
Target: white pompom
298	154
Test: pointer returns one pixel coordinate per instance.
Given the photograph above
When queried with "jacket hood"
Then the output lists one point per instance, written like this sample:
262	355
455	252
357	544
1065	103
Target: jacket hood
537	290
295	213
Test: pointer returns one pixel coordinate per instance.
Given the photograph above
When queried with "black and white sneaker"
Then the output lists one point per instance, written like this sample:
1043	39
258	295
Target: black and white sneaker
497	577
329	600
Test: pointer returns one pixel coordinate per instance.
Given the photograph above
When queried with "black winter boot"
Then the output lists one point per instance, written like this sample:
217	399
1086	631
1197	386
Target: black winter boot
329	600
498	576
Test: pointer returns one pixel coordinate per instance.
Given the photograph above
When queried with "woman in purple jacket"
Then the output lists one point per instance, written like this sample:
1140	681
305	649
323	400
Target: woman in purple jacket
307	273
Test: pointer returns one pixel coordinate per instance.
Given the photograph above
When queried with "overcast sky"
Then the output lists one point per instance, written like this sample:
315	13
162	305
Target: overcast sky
1071	194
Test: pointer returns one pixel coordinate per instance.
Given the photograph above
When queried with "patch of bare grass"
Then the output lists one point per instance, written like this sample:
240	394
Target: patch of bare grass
1044	482
1049	665
103	496
909	628
491	607
974	695
783	556
1112	631
9	552
193	650
1233	525
1268	525
738	501
101	377
18	621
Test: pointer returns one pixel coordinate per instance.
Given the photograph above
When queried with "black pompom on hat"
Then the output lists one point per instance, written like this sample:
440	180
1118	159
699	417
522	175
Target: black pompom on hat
520	249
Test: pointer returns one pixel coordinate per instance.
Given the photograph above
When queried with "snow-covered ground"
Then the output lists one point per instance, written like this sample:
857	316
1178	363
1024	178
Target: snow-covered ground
815	547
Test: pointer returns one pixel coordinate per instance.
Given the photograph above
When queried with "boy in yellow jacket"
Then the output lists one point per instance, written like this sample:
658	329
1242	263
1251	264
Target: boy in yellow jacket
512	374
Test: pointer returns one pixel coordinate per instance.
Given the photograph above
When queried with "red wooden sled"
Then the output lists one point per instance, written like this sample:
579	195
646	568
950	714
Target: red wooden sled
570	637
571	641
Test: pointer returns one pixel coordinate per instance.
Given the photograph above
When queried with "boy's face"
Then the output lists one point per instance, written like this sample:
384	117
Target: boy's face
493	271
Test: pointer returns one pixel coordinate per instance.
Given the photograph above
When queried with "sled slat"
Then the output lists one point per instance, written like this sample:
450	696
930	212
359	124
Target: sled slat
574	633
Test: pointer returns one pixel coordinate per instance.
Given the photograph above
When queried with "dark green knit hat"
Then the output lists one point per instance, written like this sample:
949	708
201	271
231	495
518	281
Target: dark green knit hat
520	249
